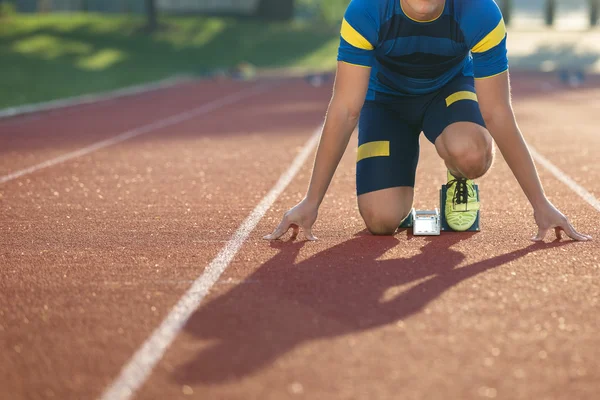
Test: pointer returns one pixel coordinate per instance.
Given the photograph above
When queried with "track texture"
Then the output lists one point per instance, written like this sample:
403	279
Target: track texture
94	252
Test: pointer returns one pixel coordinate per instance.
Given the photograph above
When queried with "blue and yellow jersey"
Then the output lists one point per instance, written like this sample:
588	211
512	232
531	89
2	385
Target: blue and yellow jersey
410	57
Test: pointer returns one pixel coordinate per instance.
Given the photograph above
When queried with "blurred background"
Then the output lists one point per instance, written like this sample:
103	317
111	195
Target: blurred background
53	49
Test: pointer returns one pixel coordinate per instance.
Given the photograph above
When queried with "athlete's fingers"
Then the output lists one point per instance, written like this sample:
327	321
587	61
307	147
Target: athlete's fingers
558	231
281	230
309	235
540	235
572	233
295	231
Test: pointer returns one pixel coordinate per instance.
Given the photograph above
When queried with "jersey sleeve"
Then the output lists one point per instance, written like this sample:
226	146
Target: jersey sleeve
359	34
485	33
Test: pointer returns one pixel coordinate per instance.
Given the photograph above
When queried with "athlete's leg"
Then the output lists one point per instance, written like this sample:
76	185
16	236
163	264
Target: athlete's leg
453	122
386	163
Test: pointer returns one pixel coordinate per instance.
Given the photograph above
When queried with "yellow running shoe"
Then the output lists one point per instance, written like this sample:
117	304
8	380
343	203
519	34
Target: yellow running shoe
461	206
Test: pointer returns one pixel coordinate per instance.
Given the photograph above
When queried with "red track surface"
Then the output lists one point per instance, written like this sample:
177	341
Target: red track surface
94	253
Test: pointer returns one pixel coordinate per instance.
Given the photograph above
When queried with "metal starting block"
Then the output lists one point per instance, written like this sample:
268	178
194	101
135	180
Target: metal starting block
423	222
433	222
426	222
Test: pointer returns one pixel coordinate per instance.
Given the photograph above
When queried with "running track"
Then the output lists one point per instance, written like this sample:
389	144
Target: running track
98	250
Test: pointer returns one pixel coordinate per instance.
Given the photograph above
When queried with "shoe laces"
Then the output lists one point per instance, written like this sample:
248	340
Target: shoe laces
461	194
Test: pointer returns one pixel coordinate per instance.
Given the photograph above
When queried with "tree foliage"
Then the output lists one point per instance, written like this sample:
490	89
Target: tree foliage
151	15
276	9
329	11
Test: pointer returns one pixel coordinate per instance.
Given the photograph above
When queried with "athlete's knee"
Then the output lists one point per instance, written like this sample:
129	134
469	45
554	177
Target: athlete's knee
474	164
384	210
383	222
382	226
473	154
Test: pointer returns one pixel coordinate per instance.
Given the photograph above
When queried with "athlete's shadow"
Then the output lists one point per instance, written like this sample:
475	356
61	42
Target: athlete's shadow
341	290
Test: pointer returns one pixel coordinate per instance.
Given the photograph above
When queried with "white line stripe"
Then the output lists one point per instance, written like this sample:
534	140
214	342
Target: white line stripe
163	123
138	369
564	178
92	98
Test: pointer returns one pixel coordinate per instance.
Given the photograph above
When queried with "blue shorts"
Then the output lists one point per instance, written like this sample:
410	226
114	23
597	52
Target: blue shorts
389	128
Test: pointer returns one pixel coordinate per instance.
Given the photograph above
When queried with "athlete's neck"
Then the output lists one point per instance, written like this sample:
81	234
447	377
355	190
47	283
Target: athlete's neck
423	10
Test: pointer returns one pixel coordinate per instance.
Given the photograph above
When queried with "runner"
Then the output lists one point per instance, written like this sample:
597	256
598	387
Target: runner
434	66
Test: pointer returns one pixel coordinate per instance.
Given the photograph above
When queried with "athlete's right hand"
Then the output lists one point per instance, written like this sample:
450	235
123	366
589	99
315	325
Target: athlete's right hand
303	215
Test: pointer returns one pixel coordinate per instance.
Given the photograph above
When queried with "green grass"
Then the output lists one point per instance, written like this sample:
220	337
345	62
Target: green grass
60	55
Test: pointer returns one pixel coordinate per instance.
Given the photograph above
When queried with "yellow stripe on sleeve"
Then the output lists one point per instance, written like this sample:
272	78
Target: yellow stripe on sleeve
492	40
491	76
458	96
352	36
356	65
373	149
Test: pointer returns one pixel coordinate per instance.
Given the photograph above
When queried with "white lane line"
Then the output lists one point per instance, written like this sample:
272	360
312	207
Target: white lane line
564	178
92	98
138	369
162	123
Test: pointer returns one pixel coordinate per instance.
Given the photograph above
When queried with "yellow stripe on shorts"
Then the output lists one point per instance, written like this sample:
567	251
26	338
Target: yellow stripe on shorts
458	96
373	149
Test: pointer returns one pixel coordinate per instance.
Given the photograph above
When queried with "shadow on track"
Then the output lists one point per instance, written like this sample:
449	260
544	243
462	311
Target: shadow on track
342	290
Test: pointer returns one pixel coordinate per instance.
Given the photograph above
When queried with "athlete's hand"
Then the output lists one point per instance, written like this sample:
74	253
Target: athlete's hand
303	215
548	217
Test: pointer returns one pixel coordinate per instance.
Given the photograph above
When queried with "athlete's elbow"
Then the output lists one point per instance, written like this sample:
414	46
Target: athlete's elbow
347	112
498	116
353	114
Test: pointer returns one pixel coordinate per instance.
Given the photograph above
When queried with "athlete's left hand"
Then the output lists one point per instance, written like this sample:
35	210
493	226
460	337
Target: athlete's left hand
547	217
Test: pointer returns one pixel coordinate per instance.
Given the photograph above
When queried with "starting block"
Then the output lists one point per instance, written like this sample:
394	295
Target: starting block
426	223
433	222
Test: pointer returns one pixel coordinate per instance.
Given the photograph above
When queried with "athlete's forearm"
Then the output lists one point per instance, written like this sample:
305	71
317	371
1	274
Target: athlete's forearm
505	131
338	128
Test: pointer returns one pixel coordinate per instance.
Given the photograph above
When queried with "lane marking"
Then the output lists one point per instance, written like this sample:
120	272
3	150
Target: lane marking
92	98
564	178
138	369
159	124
